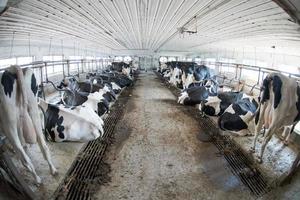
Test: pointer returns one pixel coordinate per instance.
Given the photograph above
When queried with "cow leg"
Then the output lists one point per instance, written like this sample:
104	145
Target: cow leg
46	153
269	134
285	135
12	135
40	139
258	128
258	125
21	137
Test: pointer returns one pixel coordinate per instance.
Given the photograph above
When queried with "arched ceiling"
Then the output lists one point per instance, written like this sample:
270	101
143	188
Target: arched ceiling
147	26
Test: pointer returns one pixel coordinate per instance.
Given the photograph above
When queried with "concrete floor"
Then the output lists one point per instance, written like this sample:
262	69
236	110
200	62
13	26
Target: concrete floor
157	155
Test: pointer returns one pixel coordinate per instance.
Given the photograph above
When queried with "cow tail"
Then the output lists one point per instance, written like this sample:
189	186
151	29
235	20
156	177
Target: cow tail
21	86
29	133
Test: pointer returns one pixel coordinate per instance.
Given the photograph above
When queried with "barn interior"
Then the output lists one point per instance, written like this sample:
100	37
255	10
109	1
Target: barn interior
152	146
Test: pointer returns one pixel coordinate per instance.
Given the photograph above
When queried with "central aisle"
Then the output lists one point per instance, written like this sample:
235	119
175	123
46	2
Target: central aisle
157	155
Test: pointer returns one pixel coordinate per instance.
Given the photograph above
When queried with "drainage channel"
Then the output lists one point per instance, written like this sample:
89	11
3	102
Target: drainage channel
84	175
240	164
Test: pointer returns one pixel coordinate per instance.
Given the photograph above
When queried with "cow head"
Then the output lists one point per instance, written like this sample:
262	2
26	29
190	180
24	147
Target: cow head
126	71
188	79
211	106
175	78
70	82
211	86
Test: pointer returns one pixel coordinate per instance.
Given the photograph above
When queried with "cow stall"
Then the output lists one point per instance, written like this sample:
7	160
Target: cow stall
66	154
279	161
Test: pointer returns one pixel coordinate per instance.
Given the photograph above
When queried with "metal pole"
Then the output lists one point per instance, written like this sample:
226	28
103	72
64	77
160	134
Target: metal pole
68	67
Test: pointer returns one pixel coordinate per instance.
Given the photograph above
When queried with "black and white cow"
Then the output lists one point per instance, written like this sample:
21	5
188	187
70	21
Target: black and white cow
120	79
19	120
197	92
279	106
88	87
95	101
237	116
216	105
122	67
76	123
175	74
195	73
99	81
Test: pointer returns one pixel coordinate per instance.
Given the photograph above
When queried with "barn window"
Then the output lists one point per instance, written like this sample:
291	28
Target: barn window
227	60
7	62
163	59
24	60
171	59
210	62
198	60
118	59
289	69
127	59
52	68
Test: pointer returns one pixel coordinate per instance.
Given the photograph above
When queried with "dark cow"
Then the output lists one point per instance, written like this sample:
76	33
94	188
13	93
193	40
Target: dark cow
238	115
19	120
123	68
197	93
279	106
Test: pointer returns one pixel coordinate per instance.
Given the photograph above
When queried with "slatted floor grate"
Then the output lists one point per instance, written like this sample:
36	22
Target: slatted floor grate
240	164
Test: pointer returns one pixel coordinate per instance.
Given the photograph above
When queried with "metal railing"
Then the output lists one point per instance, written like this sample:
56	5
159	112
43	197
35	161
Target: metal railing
238	69
65	67
46	70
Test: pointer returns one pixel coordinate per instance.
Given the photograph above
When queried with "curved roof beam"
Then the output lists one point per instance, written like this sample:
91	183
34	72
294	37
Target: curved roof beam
4	4
291	7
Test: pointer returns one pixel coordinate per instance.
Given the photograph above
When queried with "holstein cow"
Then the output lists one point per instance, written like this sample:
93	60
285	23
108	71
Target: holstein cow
176	73
77	123
279	106
197	93
237	116
122	67
195	73
74	85
216	105
120	79
95	100
98	80
19	120
162	68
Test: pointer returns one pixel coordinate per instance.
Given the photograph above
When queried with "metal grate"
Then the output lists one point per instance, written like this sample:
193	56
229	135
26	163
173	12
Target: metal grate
240	164
87	170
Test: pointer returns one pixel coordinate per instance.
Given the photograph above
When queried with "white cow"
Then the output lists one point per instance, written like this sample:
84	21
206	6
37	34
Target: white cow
79	123
279	107
19	119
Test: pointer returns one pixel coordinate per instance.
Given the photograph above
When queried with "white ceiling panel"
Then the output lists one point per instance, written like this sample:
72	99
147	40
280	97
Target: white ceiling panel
147	25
